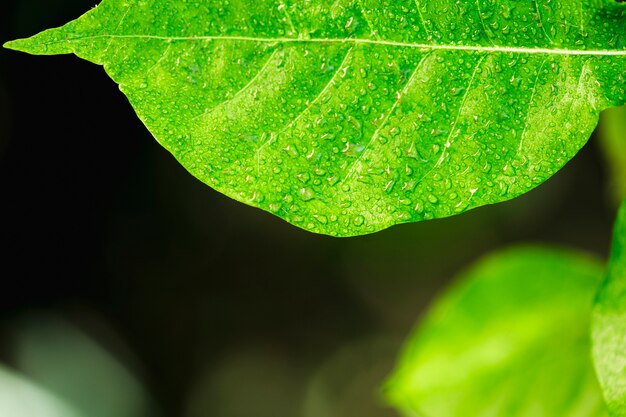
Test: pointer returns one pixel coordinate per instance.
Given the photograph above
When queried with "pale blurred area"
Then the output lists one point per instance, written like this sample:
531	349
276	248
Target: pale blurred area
58	370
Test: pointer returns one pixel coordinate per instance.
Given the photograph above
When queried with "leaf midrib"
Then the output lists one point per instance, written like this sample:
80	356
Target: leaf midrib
357	41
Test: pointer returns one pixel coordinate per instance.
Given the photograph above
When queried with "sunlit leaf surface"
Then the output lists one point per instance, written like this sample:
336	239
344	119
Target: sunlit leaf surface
345	117
609	325
510	338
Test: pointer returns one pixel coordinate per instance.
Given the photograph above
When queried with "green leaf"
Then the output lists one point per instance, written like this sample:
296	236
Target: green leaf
609	324
345	117
510	338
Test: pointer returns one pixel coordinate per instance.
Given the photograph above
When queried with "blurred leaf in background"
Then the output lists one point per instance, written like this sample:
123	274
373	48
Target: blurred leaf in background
609	324
510	338
59	356
612	139
20	397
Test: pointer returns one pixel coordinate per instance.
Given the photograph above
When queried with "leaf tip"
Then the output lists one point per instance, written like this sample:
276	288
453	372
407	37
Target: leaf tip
48	42
16	45
22	45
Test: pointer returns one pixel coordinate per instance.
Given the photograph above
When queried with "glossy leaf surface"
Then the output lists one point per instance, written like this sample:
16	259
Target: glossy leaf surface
510	338
345	117
609	325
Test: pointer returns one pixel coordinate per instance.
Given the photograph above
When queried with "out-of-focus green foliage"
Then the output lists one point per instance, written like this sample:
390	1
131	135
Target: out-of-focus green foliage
612	135
609	324
20	397
509	339
60	357
346	117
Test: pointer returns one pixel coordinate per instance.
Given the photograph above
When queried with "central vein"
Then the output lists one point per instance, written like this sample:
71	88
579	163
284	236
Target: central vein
425	46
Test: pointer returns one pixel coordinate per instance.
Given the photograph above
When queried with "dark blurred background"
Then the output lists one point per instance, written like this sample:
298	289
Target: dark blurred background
219	309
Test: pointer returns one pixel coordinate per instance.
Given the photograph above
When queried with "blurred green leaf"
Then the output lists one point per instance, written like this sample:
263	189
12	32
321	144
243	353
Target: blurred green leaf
62	358
509	339
609	324
347	117
20	397
612	139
